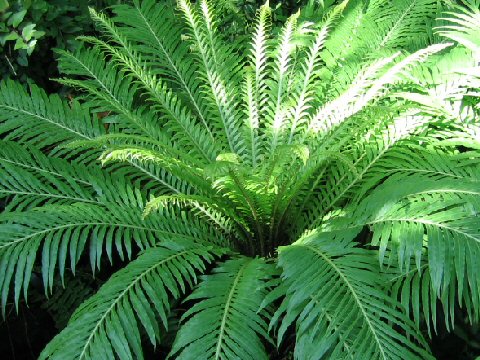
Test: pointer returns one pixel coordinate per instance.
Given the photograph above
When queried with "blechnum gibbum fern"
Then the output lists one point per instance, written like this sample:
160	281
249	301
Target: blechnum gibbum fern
329	173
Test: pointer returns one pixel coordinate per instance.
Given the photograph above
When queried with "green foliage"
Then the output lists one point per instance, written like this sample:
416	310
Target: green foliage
35	26
328	171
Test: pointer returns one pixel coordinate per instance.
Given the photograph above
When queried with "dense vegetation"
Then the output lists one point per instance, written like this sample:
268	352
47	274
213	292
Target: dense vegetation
309	193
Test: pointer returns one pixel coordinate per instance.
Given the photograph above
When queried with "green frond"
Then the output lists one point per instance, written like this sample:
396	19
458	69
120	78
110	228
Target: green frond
403	22
109	323
45	121
154	28
433	217
256	86
181	122
200	206
28	178
276	111
367	87
226	323
63	232
108	90
414	289
305	95
463	25
371	146
219	66
173	165
412	159
333	298
355	127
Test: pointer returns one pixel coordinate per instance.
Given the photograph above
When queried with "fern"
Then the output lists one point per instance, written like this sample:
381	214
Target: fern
318	183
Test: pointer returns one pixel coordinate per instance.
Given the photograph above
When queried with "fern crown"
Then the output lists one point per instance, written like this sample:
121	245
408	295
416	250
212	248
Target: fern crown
303	185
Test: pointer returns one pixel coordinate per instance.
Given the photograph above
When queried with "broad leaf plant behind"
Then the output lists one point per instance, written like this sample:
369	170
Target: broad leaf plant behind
313	193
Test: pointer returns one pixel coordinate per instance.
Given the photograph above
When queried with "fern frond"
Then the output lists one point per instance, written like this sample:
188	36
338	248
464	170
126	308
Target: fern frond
220	67
173	165
201	206
332	295
411	159
108	324
310	68
463	25
276	113
153	27
181	123
65	231
405	22
108	90
46	121
435	216
367	88
255	81
231	327
29	178
370	149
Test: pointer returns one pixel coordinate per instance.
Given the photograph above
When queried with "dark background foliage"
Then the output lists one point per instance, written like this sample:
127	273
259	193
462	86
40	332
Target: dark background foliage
29	31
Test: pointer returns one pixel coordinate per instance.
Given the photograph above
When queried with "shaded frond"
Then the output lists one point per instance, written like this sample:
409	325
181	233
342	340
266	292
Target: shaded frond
64	232
231	327
108	324
333	297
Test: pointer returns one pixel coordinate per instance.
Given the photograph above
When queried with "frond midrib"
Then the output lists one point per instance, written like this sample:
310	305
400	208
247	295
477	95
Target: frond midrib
36	168
50	195
397	23
179	75
192	238
45	119
427	222
227	307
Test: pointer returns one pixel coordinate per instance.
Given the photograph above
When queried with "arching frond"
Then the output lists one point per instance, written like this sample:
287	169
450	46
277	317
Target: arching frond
220	67
256	82
434	217
356	127
136	154
29	178
107	326
182	125
332	297
463	25
305	94
43	120
154	28
63	232
373	144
